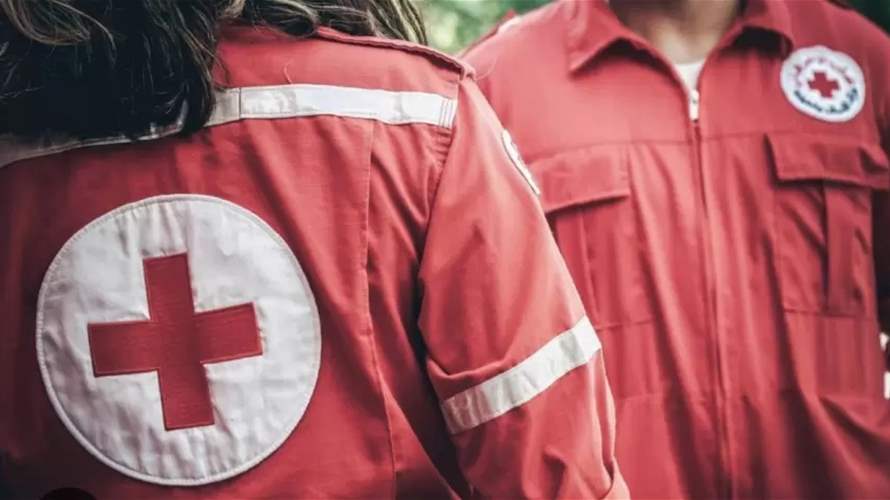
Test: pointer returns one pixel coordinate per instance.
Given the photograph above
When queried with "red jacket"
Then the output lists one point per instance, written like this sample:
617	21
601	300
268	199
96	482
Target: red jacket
721	239
340	287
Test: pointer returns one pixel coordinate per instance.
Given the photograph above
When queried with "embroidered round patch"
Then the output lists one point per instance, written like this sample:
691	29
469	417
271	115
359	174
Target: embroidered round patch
824	84
178	339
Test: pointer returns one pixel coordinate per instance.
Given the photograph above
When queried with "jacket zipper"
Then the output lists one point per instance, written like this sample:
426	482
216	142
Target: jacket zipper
723	434
694	108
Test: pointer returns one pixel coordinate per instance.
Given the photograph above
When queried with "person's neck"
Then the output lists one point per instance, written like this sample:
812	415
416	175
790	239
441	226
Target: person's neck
683	30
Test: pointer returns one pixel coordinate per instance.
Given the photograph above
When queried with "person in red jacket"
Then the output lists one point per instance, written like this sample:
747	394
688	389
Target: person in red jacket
716	175
261	249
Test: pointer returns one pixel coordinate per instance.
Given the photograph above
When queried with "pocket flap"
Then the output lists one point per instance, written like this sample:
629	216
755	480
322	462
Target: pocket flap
583	176
804	157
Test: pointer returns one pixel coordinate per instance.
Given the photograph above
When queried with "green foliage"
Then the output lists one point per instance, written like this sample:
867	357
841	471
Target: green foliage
454	24
877	10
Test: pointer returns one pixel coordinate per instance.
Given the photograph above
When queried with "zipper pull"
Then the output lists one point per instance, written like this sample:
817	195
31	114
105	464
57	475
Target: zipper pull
694	104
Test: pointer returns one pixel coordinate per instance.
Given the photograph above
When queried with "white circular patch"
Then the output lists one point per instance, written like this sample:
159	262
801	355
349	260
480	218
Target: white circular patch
824	84
187	296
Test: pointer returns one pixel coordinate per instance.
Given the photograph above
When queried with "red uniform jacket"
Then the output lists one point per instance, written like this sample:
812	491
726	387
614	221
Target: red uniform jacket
340	287
721	239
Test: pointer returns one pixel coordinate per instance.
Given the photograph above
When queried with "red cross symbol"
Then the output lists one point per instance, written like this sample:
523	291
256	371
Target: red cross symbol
175	342
822	84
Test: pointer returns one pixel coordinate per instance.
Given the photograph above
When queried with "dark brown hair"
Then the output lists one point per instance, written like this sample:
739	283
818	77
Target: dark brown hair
99	67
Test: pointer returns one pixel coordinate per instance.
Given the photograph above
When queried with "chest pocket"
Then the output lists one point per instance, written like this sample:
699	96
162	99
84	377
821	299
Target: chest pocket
824	221
589	204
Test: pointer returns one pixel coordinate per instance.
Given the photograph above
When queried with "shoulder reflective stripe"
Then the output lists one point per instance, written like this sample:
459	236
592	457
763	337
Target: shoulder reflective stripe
279	101
518	385
311	100
14	149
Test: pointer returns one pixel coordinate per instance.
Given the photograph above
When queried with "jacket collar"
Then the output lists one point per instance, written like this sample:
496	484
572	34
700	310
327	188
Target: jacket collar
593	27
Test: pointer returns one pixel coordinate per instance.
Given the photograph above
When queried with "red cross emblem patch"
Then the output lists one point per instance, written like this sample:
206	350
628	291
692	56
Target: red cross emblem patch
178	339
824	84
175	342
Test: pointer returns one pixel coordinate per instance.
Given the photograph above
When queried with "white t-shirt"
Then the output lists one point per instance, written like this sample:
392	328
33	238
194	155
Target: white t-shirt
689	73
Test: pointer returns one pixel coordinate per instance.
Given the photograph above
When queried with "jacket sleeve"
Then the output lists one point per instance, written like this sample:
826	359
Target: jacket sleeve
514	360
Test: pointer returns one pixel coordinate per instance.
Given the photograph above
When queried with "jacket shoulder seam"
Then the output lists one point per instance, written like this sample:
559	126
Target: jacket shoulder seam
440	58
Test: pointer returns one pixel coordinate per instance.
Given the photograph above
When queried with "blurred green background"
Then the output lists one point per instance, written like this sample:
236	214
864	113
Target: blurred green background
453	24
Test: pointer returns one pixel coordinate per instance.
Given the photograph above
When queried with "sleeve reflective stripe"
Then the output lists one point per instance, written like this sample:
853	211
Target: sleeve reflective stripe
518	385
270	102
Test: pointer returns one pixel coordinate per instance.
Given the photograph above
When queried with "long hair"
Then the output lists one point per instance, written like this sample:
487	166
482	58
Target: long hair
90	68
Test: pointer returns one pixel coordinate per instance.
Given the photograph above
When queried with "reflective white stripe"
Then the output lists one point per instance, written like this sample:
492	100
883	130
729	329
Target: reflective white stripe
311	100
279	101
14	149
518	385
